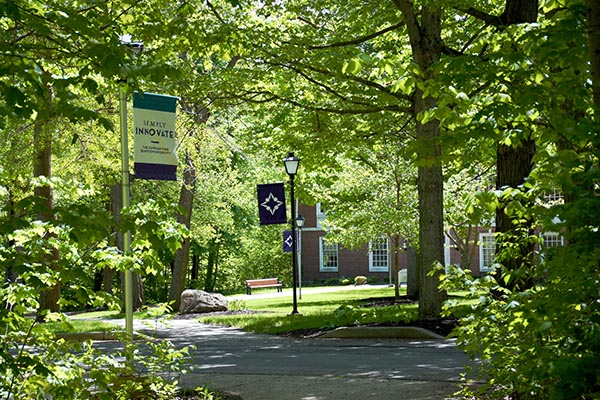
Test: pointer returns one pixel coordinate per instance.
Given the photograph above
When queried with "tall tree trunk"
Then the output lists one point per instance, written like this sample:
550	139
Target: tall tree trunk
396	266
195	266
138	292
211	265
138	285
182	256
116	203
424	30
11	275
513	166
42	142
593	22
520	11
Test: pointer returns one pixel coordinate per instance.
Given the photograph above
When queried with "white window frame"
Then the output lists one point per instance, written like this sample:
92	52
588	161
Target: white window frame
484	246
321	216
329	247
552	239
549	240
376	255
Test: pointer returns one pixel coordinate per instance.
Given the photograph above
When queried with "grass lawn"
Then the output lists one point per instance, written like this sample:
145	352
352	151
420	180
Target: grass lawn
89	321
271	315
318	311
81	326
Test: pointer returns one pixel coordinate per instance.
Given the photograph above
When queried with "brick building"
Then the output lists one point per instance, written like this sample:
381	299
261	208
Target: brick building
321	261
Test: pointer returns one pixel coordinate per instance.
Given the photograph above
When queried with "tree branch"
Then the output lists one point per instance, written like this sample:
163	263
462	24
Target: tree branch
410	18
215	12
257	98
358	40
353	78
490	20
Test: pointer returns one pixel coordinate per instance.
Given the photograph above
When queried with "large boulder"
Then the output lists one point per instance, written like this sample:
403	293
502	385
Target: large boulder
198	301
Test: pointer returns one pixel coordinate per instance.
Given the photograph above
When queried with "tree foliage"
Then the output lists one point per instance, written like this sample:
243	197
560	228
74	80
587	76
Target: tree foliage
538	340
376	98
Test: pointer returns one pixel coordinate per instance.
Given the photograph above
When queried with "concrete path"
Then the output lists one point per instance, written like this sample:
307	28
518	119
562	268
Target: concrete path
287	292
264	367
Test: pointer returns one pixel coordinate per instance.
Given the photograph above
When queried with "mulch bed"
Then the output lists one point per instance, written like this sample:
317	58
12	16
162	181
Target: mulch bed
208	314
217	395
441	326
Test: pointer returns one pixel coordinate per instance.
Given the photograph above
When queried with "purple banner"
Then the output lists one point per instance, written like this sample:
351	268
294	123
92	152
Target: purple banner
271	203
287	241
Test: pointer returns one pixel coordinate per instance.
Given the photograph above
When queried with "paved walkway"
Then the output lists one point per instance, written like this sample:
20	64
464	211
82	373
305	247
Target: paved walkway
270	293
264	367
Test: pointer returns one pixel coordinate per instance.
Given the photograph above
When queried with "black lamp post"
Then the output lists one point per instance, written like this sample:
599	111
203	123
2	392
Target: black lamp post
291	167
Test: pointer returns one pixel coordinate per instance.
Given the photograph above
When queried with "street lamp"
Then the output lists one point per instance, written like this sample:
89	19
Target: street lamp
291	167
135	47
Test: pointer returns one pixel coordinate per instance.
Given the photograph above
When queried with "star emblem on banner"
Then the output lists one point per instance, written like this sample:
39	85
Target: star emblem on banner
271	204
288	241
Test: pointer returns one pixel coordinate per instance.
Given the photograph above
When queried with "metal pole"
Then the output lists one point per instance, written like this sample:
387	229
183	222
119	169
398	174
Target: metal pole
299	250
127	235
300	263
294	252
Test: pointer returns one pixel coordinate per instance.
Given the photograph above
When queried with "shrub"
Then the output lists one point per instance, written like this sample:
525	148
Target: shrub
331	282
538	343
37	365
237	305
360	280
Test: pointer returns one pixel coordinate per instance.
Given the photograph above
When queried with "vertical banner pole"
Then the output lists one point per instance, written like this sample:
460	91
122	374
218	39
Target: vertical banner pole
294	252
299	249
126	235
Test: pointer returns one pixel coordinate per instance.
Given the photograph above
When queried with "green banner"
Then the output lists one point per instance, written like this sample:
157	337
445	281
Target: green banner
154	143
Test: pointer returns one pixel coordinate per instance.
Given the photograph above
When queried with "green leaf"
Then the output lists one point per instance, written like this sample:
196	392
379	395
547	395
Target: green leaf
354	66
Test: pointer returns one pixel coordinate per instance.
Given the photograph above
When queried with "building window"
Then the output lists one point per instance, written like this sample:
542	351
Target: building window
329	256
487	250
552	239
379	259
321	215
554	197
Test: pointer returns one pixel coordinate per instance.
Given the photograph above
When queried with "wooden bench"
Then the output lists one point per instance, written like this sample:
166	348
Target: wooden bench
263	283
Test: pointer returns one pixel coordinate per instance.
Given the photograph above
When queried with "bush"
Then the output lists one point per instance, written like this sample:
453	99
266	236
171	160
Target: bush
360	280
237	305
46	367
540	343
331	282
37	365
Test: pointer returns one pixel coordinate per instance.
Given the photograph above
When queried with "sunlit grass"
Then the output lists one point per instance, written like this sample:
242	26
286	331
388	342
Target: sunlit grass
80	326
146	313
318	311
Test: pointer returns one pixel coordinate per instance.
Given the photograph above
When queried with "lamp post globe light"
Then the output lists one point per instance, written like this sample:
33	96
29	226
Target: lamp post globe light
291	167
